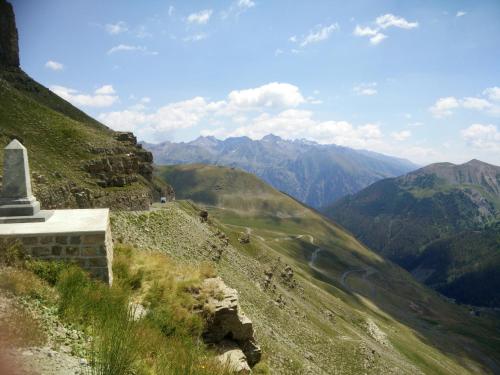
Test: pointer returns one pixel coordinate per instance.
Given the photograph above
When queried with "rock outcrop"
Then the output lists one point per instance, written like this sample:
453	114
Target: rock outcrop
227	326
9	47
121	166
117	167
233	357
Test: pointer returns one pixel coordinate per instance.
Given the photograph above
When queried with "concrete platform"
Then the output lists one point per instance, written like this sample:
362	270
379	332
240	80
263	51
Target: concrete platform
84	221
82	237
40	216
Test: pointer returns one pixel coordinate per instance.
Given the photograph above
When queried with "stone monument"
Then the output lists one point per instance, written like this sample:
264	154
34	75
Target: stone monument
17	203
81	236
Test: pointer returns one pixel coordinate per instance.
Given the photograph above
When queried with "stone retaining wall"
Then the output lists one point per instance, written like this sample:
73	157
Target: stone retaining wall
92	252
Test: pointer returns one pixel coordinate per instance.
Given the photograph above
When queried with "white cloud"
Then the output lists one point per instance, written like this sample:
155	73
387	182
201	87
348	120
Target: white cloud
482	136
366	89
202	17
461	13
246	4
103	96
278	52
390	20
364	31
116	28
130	48
54	65
173	116
195	37
402	135
128	120
237	8
493	93
271	95
171	10
105	90
379	37
475	103
318	34
383	22
444	106
189	113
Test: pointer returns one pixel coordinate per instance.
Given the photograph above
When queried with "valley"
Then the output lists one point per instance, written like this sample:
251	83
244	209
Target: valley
420	324
440	222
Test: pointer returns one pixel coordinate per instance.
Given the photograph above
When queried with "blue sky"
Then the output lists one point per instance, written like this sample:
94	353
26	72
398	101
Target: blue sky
416	79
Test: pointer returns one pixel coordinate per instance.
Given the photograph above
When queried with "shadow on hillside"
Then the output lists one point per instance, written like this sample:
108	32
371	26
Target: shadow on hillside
428	314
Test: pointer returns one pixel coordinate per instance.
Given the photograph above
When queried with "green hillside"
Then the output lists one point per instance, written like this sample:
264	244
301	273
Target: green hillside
440	223
67	148
348	310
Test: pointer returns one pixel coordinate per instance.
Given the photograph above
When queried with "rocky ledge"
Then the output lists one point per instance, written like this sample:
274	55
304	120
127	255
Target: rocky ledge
228	328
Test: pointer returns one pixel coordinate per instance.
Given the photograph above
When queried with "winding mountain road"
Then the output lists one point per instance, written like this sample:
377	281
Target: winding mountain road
366	271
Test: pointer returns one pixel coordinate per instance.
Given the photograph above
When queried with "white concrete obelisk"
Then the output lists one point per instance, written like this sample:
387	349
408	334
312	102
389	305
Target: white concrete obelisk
16	198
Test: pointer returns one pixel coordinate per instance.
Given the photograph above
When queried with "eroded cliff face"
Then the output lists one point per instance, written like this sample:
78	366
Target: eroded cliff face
9	49
114	179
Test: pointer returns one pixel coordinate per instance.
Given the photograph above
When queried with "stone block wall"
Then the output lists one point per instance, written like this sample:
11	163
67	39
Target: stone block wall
92	252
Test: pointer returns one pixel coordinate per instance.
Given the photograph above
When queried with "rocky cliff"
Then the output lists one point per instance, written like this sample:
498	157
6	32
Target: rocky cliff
9	50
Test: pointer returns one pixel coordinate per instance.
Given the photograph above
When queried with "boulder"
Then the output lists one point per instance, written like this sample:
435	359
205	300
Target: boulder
226	321
203	216
233	357
244	238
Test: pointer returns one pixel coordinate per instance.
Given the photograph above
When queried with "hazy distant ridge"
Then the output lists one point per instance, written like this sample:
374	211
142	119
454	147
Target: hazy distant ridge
312	173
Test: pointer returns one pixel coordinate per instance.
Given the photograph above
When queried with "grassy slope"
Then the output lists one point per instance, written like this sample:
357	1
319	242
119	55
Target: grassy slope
56	134
435	219
331	319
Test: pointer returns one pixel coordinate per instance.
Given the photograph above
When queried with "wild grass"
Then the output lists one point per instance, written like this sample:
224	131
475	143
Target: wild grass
148	322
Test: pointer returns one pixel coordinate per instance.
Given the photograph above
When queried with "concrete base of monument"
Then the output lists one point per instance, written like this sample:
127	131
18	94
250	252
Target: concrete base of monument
28	208
40	217
82	237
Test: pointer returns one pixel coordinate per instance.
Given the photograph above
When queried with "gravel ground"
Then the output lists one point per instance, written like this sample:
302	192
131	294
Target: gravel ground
56	354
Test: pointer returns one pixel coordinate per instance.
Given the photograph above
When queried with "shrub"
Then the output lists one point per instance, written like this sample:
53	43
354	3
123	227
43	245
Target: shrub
21	282
49	271
11	252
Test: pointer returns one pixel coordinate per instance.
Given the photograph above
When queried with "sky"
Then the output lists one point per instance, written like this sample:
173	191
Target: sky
418	79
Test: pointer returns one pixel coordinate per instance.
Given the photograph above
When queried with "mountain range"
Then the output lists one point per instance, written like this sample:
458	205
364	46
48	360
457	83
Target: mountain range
310	172
351	310
441	222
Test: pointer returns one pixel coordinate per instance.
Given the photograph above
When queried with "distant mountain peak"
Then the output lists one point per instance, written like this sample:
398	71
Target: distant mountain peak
473	172
477	162
271	138
208	141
